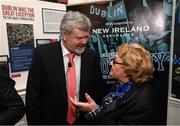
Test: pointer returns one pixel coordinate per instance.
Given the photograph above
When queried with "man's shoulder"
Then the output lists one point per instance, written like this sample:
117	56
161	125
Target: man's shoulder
47	47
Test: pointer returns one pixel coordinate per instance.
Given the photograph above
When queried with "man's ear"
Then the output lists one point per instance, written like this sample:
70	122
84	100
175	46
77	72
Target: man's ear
64	35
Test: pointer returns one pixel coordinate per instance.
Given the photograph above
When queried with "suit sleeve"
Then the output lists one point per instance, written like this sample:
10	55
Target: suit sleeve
34	82
11	105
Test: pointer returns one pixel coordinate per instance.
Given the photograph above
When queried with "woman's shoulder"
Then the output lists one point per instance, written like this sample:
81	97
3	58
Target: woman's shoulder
146	92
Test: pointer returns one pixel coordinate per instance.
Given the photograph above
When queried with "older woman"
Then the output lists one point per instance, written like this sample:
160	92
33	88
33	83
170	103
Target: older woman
132	99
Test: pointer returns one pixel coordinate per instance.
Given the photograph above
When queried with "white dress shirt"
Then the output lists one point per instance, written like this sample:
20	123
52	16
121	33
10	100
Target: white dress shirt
77	62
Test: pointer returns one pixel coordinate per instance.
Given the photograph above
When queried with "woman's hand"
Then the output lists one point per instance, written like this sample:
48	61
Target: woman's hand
84	106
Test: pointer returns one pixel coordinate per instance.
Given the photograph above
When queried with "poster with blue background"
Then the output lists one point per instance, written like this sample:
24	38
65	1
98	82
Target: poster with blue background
147	22
21	46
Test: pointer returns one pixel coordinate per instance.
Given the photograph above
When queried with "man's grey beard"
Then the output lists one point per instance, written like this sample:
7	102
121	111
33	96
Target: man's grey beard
77	51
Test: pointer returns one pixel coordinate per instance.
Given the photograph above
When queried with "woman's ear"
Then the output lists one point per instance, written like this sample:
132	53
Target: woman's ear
126	69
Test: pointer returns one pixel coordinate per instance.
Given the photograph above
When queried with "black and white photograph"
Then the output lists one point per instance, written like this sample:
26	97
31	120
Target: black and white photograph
51	20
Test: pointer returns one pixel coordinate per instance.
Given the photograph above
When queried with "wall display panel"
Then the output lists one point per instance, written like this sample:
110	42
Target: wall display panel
21	46
21	24
130	21
175	91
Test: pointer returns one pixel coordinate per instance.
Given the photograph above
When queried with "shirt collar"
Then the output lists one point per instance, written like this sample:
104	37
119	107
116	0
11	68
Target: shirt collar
64	50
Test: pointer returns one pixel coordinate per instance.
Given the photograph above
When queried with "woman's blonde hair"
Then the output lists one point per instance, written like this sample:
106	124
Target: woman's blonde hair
138	60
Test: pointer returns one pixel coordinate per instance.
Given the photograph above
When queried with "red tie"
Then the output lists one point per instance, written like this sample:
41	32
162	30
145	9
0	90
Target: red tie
71	88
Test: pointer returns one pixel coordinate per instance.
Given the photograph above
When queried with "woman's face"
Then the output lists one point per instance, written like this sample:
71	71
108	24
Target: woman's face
118	70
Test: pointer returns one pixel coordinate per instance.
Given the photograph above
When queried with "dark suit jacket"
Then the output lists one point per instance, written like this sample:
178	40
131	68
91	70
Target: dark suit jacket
11	104
137	107
46	95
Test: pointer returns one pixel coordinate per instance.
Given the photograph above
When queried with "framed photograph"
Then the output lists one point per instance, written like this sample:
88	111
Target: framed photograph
4	65
42	42
51	20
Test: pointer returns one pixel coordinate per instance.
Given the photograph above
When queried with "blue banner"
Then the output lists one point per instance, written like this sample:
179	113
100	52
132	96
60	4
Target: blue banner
116	12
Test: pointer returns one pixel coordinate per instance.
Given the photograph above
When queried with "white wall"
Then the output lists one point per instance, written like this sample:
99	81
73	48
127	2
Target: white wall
173	117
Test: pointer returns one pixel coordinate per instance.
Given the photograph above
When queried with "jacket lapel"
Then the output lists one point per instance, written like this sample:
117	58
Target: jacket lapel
60	72
83	78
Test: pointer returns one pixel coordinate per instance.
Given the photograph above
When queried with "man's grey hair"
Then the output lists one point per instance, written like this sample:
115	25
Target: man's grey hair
74	19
